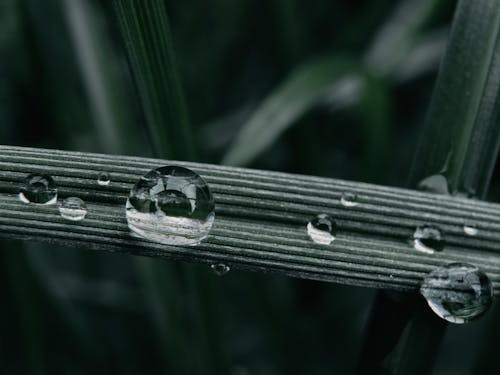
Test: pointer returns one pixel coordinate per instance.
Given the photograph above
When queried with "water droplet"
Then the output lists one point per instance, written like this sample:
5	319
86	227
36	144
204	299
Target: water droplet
103	179
39	189
171	205
468	193
73	209
436	184
220	269
322	229
349	200
428	239
470	229
457	292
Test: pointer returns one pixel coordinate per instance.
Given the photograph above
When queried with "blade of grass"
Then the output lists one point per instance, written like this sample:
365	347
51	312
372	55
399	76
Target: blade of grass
463	115
145	29
460	140
397	36
299	93
311	82
261	222
488	114
146	32
424	57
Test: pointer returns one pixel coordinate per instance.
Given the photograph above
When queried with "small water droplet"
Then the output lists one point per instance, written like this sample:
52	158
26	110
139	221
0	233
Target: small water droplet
322	229
349	200
39	189
171	205
103	179
470	229
457	292
220	269
73	209
428	239
465	193
436	184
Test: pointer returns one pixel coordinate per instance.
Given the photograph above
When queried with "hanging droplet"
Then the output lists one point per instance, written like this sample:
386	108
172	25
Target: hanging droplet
220	269
39	189
349	200
322	229
171	205
457	292
73	209
436	184
470	229
103	179
428	239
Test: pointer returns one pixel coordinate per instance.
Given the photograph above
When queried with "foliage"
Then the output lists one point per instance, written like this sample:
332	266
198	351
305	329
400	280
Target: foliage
69	310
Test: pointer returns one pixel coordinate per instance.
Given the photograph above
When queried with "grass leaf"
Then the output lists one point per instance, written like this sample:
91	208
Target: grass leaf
461	137
299	93
146	32
261	220
460	141
398	35
312	81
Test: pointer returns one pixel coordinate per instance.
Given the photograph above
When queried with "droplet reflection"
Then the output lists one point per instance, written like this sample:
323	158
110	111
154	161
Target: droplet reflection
171	205
457	292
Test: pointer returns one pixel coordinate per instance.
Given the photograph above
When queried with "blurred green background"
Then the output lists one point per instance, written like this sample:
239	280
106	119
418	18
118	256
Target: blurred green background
349	84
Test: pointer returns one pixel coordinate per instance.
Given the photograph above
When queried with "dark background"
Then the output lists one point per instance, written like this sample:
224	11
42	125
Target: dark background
76	311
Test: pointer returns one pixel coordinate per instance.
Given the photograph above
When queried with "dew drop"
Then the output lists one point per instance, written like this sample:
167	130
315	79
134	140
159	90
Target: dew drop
470	229
428	239
322	229
171	205
220	269
457	292
73	209
39	189
468	193
436	184
103	179
349	200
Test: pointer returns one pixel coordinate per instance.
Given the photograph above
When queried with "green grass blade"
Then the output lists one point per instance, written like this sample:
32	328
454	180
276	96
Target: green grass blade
424	57
397	36
461	139
299	93
145	29
312	81
261	220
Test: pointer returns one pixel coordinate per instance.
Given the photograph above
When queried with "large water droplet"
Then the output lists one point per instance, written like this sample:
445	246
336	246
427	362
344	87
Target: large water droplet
103	179
457	292
171	205
322	229
434	184
470	229
39	189
220	269
349	200
73	209
428	239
